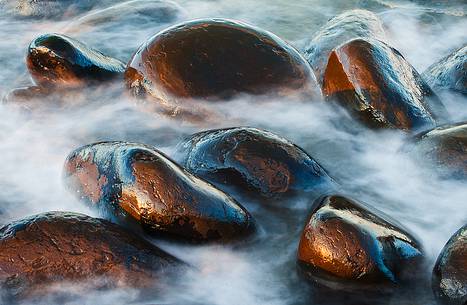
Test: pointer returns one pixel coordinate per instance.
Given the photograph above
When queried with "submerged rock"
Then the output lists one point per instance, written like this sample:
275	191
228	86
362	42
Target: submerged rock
59	61
350	247
376	84
252	159
346	26
446	147
59	247
216	59
450	73
450	271
143	185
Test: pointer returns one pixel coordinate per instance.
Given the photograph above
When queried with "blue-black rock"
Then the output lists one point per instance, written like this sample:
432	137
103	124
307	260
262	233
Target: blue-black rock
140	184
253	160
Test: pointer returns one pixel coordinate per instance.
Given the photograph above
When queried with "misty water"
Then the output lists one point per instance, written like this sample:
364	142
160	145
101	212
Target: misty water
371	166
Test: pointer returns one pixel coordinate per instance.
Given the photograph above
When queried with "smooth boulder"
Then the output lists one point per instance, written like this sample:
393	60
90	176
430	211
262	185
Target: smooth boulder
450	272
346	26
142	185
450	73
54	248
253	160
379	87
348	246
55	60
216	59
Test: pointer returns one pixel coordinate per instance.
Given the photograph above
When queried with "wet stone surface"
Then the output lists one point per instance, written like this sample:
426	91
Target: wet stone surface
138	183
255	161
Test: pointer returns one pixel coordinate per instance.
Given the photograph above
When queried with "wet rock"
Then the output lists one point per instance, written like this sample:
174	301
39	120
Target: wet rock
347	246
216	59
254	160
450	73
450	271
143	185
59	247
377	85
445	147
346	26
47	8
59	61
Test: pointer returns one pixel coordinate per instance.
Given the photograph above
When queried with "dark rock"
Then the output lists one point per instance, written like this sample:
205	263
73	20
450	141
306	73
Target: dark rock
450	272
347	246
59	61
446	147
143	185
216	59
376	84
346	26
254	160
450	73
58	247
47	8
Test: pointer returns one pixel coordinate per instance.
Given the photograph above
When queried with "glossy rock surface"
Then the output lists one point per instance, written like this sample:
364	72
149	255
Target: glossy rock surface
450	73
216	59
376	84
346	26
145	186
56	60
450	272
349	246
252	159
59	247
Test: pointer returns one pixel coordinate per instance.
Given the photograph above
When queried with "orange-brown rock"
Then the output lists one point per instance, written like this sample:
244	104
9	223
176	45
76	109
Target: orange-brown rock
253	160
450	271
138	183
376	84
340	29
217	59
56	248
348	246
56	60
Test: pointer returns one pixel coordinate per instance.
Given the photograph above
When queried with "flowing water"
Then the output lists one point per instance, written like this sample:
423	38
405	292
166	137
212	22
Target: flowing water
371	166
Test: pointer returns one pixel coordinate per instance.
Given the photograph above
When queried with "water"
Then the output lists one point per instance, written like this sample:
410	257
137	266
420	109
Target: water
372	166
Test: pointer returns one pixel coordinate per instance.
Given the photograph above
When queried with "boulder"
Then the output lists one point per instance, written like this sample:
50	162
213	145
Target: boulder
140	184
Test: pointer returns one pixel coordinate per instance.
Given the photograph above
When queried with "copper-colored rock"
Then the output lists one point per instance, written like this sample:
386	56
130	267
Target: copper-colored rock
375	82
141	184
59	61
252	159
346	26
217	59
59	247
349	246
450	73
450	271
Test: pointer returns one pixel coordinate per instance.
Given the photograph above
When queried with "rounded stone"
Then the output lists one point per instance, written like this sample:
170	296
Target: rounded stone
348	246
378	86
450	271
253	160
55	248
138	183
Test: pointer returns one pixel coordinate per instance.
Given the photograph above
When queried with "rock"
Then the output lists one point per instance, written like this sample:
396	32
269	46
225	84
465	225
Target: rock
217	59
47	8
346	26
347	246
376	84
446	147
254	160
450	73
143	185
58	247
59	61
450	271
